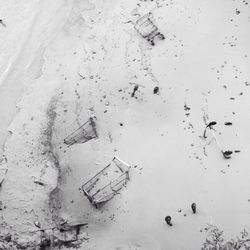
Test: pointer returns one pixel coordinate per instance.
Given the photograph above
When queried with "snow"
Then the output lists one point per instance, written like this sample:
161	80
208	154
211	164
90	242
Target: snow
81	58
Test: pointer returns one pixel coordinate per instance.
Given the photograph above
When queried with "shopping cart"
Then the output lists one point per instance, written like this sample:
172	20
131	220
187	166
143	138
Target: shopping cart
147	29
83	134
104	185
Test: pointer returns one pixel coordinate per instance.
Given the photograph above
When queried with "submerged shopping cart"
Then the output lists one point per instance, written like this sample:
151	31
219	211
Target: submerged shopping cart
83	134
103	186
147	29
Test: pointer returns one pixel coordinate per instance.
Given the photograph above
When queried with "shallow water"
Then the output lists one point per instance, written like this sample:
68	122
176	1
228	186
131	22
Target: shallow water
30	26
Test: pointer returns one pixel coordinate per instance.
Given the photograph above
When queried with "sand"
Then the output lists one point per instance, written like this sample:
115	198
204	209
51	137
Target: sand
84	58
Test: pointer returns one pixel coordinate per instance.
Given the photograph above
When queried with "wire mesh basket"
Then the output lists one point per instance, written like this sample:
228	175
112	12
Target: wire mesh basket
83	134
147	29
107	183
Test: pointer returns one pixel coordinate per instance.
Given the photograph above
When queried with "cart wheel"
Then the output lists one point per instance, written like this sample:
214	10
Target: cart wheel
162	36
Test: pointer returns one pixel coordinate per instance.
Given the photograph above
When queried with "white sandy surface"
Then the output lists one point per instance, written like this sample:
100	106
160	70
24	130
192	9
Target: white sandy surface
91	59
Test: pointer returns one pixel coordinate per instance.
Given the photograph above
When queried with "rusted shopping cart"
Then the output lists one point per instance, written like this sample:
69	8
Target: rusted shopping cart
104	185
147	29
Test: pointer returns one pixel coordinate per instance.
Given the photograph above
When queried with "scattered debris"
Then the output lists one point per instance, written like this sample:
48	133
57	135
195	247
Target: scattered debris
3	172
226	154
193	206
187	109
156	90
136	87
237	12
107	183
2	23
210	126
83	134
45	242
62	235
147	29
38	181
8	237
216	240
1	205
82	77
37	224
168	220
110	137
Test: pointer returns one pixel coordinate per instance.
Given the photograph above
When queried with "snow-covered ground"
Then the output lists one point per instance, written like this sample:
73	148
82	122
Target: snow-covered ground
63	61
